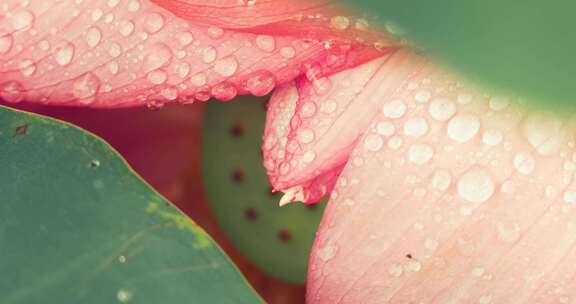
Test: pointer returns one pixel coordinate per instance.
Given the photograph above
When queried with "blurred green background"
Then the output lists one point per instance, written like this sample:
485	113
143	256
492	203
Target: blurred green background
525	47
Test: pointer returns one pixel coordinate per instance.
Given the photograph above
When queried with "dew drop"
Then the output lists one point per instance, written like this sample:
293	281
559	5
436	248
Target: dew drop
416	127
133	5
12	91
113	67
394	109
422	96
465	99
309	156
498	103
306	136
226	66
22	20
395	143
64	54
265	43
224	91
85	87
183	69
170	93
492	137
159	56
413	266
373	142
93	36
96	14
326	253
476	186
420	154
524	163
126	28
115	50
287	52
261	83
209	54
463	128
185	38
27	67
157	77
123	296
154	22
442	109
215	32
339	22
198	79
385	128
6	42
544	134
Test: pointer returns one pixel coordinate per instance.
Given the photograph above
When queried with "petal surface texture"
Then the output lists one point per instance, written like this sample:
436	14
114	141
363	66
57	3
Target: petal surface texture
313	123
136	52
456	197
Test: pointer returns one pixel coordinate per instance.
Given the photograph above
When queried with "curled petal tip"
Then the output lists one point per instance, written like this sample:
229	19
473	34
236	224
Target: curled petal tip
293	194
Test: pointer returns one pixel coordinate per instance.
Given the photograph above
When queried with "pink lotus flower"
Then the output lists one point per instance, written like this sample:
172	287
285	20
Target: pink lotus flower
439	193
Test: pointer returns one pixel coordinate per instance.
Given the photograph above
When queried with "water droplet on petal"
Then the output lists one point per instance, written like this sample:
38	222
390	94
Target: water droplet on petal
287	52
463	128
326	253
85	87
133	5
64	54
226	66
265	43
170	93
339	22
476	186
157	77
22	20
545	134
394	109
153	23
209	54
416	127
373	142
185	38
126	28
6	42
442	109
12	91
93	36
524	163
306	136
215	32
158	56
492	137
183	69
260	83
498	103
422	96
198	79
27	67
224	91
420	154
115	50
